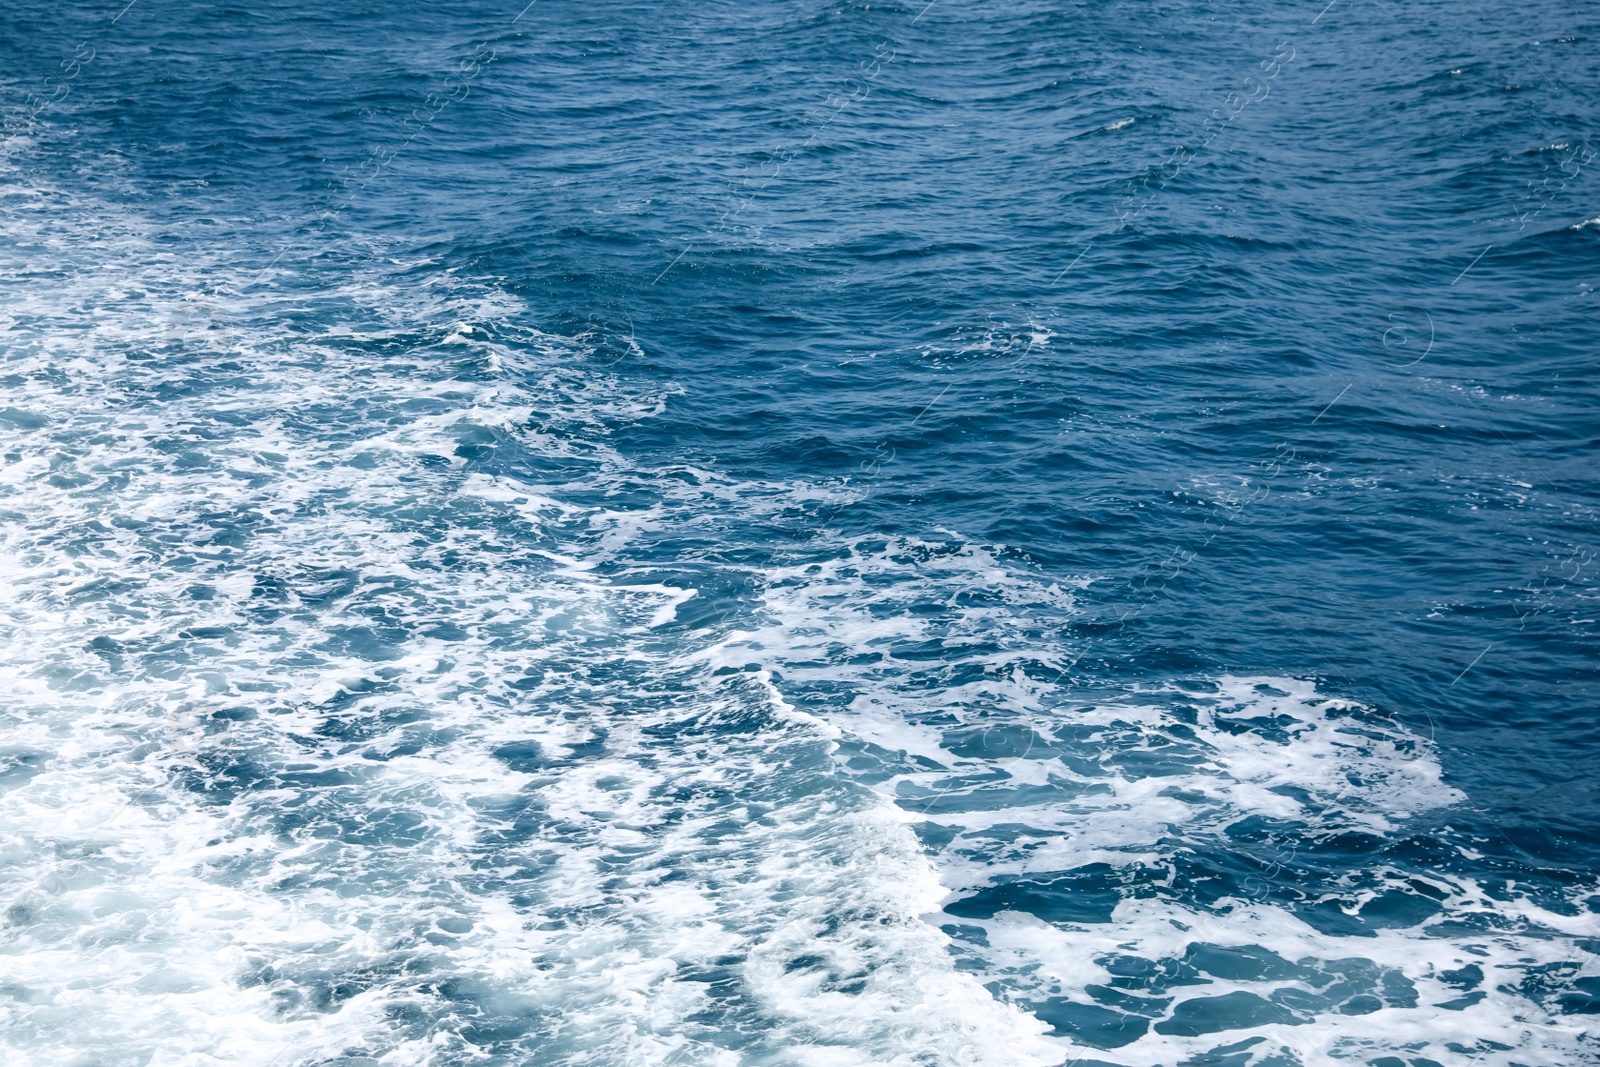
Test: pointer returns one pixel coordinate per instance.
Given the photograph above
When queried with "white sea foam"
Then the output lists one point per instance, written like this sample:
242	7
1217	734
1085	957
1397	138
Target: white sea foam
323	745
1035	799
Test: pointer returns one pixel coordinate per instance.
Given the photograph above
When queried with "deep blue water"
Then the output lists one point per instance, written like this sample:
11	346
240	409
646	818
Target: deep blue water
1011	533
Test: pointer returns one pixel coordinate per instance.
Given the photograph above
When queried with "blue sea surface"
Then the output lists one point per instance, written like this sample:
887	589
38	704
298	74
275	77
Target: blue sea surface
1032	532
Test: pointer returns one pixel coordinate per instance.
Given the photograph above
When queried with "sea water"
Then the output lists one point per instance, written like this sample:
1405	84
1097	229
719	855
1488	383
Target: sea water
817	533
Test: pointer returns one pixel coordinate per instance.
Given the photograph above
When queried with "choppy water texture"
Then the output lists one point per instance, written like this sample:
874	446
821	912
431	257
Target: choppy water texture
975	533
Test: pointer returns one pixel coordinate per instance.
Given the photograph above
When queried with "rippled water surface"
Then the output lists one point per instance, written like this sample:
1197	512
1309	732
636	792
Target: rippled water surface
1034	532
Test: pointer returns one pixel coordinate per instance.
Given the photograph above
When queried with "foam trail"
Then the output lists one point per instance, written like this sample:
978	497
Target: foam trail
324	745
1230	867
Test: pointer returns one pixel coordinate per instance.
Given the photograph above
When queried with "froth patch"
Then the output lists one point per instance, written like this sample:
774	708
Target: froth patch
1231	867
326	740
